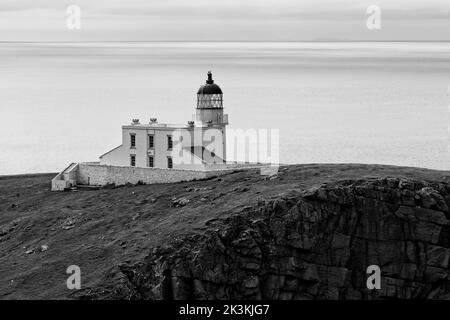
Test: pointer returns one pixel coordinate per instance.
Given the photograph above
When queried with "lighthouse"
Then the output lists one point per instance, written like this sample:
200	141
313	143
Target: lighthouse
210	103
155	152
154	144
209	111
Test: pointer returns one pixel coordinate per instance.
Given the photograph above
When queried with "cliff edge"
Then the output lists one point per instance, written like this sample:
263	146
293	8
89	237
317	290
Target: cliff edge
308	233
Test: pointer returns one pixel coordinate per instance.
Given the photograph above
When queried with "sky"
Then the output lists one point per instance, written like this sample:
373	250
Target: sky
224	20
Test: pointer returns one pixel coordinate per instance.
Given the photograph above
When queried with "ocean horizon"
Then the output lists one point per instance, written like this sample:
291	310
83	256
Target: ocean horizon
333	102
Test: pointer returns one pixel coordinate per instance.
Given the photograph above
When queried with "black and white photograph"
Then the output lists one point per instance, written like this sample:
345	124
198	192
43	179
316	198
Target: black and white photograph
225	154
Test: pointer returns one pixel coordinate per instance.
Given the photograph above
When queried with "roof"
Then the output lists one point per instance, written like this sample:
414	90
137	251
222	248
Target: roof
209	87
109	151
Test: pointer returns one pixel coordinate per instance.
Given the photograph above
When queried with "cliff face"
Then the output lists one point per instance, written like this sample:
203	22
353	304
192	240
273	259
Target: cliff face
314	244
308	233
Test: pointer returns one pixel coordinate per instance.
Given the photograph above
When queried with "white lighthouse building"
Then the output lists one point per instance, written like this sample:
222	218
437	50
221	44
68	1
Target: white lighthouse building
154	152
191	146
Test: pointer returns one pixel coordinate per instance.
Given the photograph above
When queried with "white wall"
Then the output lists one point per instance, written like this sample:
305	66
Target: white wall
103	175
121	155
96	174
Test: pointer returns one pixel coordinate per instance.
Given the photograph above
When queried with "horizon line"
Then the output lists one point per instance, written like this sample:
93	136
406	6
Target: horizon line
222	41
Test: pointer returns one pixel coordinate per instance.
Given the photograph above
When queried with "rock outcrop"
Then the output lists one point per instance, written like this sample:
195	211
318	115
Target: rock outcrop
314	244
310	232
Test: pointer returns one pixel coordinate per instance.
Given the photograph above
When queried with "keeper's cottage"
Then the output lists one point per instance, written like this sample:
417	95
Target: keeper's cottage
156	152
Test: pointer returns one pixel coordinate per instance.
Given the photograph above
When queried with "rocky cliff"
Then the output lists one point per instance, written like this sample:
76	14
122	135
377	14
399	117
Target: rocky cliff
313	245
308	233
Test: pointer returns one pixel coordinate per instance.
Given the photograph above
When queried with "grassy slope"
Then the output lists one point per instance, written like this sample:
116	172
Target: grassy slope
121	225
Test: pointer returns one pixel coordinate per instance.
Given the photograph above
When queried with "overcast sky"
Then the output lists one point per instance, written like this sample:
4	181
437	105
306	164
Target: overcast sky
224	20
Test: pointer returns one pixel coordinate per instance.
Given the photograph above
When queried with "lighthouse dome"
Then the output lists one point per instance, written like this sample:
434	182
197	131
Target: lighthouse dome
210	87
209	95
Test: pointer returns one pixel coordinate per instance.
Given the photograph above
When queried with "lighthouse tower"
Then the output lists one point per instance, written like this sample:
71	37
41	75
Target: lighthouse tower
210	103
209	111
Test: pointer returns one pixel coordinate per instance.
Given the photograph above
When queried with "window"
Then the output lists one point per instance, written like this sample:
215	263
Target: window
151	162
133	160
132	140
151	143
169	142
169	163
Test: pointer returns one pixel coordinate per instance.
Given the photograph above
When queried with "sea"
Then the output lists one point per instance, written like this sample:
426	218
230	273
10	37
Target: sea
332	102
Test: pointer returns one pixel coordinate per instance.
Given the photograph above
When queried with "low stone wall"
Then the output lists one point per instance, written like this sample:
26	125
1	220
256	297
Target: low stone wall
90	174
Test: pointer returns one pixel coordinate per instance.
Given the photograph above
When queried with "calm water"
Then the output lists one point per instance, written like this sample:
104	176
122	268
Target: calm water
333	102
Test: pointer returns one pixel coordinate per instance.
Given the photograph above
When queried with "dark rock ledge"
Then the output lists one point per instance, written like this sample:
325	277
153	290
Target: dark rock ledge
309	245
